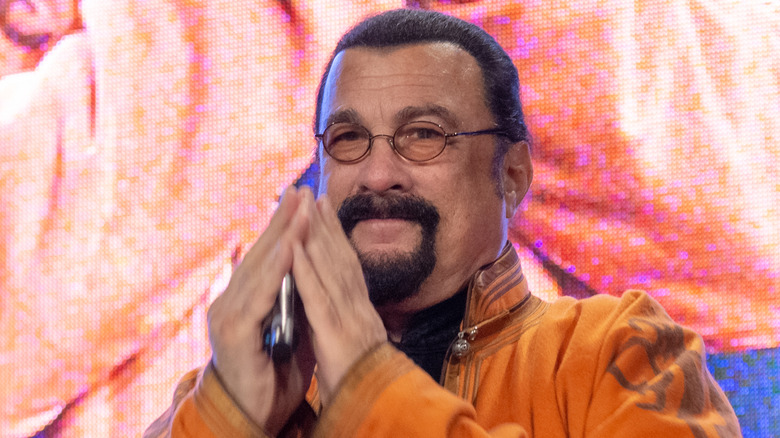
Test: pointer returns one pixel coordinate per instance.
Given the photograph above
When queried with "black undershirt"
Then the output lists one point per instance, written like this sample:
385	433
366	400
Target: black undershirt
431	331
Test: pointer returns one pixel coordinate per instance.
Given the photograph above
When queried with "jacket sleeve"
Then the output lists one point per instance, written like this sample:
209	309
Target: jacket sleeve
636	373
202	408
386	394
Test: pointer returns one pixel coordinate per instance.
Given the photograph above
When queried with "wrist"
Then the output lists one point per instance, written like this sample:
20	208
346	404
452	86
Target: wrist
221	411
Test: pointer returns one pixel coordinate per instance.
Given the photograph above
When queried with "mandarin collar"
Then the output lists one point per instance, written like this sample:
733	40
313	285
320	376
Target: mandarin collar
496	288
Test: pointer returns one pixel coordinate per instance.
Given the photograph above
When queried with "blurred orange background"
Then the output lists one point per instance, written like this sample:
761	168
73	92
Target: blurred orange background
143	145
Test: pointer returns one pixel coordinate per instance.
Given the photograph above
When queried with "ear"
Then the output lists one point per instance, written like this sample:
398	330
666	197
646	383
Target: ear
517	175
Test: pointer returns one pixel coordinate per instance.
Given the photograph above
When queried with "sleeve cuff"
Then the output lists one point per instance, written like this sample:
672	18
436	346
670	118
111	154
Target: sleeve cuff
360	389
219	411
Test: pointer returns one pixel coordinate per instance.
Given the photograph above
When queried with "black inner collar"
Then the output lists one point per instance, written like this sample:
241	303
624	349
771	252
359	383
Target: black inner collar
431	331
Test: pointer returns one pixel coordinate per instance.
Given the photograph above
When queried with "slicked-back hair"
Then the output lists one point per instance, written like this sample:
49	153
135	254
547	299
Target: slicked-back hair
409	26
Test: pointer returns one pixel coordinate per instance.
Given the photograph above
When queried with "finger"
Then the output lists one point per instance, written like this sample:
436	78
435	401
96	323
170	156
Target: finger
333	229
316	302
280	219
263	282
263	285
249	270
342	329
235	316
333	257
329	215
250	293
321	244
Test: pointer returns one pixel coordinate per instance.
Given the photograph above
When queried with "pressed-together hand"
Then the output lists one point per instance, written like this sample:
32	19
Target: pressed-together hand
344	323
306	237
268	394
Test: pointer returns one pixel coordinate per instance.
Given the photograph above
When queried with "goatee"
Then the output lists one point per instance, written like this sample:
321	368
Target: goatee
392	278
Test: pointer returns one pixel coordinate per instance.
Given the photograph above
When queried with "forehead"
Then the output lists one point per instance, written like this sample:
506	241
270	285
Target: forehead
389	81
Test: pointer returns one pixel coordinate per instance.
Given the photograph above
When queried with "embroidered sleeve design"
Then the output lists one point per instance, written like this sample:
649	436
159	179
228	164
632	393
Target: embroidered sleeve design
671	368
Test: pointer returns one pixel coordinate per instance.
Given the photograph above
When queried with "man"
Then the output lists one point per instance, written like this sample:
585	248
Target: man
406	277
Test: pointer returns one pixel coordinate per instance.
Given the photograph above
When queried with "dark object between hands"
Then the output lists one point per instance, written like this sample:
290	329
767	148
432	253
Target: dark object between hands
279	338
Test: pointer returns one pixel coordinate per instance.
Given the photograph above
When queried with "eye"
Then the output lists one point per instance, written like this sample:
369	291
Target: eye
417	131
345	141
350	135
426	133
344	133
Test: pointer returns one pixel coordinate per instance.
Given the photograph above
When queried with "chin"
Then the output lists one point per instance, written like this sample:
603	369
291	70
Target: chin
393	277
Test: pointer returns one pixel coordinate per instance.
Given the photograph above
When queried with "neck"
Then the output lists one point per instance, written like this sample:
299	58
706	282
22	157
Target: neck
441	285
395	322
396	316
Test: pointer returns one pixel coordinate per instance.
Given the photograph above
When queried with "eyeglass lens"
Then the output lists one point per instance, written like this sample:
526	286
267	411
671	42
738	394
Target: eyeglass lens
415	141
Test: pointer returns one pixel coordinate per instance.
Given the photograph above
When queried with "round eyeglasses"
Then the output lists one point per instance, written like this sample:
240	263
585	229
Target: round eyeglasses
415	141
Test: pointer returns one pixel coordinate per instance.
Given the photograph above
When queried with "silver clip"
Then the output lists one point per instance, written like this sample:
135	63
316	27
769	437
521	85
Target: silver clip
461	346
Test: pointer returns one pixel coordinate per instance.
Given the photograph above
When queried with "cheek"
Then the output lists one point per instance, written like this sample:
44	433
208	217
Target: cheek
331	181
473	206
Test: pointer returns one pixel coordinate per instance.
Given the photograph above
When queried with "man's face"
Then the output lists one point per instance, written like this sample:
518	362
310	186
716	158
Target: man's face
381	89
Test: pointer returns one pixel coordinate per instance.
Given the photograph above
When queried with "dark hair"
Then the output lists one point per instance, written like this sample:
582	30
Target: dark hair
409	26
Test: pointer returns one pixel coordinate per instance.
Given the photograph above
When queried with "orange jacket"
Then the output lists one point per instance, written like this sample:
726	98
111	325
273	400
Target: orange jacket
521	367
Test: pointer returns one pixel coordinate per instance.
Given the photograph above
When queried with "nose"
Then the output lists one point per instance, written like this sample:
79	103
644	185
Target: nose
383	169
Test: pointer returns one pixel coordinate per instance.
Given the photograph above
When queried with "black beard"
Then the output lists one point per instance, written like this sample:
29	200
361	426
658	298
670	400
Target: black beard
392	278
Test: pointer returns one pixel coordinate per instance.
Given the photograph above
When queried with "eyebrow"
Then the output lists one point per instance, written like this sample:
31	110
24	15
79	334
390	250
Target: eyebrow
411	113
407	114
343	116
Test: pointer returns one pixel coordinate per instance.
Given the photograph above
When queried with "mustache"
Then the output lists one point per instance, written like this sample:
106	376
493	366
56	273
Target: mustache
365	206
